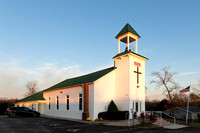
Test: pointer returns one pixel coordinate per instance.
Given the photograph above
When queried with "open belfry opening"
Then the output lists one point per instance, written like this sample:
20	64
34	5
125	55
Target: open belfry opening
128	35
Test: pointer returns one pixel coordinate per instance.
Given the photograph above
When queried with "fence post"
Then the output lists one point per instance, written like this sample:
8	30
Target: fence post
161	118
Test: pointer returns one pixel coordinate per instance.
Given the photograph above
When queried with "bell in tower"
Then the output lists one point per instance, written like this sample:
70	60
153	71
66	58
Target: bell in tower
127	35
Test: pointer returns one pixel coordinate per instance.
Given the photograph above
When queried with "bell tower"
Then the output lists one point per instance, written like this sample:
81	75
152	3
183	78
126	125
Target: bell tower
130	73
127	35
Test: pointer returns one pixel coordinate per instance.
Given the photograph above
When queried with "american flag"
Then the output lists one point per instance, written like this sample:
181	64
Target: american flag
185	90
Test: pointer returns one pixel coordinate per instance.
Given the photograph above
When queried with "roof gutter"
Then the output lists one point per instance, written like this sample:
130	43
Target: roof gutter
39	101
67	87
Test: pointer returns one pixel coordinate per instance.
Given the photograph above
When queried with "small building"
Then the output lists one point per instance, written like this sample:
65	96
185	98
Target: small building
181	112
87	95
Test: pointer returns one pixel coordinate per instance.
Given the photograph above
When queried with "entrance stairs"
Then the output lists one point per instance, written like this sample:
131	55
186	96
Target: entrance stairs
161	122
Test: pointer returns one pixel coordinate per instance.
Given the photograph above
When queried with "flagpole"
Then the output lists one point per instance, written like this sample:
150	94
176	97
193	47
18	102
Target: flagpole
187	108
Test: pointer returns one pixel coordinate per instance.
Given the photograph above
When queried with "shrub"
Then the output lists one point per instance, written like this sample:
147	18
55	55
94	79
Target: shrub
5	103
102	115
144	119
120	115
112	107
151	118
113	113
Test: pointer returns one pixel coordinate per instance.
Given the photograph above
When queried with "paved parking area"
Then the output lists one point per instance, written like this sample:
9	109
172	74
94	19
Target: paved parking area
50	125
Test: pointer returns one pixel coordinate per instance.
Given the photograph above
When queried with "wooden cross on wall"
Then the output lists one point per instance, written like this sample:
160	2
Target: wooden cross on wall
138	74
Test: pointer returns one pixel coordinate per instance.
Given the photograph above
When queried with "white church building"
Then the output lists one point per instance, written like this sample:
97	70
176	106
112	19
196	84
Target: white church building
85	96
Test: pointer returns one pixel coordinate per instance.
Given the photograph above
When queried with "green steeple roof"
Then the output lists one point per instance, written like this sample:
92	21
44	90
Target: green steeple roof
127	28
126	52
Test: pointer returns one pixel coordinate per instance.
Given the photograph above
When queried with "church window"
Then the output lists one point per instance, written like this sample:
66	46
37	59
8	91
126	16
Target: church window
67	105
57	103
49	103
80	101
136	104
140	106
39	107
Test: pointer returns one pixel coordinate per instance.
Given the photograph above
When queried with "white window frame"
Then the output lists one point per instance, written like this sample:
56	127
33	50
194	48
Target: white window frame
49	105
67	104
79	101
57	102
137	106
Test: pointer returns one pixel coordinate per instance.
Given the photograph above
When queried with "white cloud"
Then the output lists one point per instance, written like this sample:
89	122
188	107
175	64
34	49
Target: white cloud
51	75
13	77
186	74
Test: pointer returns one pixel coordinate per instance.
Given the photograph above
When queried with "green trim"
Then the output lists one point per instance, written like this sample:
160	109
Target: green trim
127	28
34	97
126	52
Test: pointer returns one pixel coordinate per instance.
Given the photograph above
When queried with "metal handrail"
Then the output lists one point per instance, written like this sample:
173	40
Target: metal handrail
171	117
161	115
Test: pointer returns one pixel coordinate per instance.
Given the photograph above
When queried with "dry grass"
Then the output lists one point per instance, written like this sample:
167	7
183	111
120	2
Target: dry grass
183	122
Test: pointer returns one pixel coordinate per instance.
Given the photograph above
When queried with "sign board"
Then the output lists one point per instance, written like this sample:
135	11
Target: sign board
132	110
137	64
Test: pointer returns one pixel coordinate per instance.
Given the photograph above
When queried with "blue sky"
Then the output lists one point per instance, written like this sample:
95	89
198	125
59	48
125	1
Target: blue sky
50	41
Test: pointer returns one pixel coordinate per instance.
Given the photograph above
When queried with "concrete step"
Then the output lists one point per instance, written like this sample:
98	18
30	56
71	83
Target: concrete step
161	122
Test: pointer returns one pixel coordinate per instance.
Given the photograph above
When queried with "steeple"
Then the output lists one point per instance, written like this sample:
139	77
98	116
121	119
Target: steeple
127	35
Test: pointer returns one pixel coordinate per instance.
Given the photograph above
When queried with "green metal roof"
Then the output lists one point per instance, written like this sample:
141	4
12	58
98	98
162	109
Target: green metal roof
127	28
69	82
125	52
34	97
82	79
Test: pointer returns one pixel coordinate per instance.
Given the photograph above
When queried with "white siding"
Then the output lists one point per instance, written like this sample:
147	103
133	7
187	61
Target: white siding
137	94
122	83
73	111
119	85
104	92
126	91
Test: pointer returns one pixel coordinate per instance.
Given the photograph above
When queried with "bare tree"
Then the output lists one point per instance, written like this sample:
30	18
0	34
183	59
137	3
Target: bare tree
180	99
165	79
196	88
194	99
32	87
